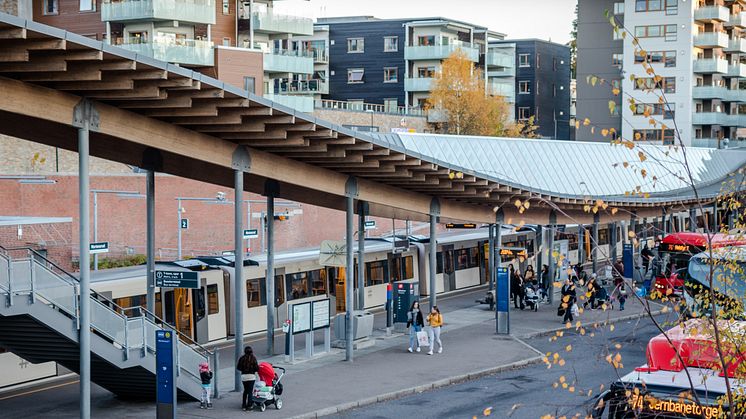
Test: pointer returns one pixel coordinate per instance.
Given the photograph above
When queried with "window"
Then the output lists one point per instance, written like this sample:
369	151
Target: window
306	284
355	75
213	300
355	45
658	57
666	136
648	5
426	72
87	5
390	43
671	33
672	7
390	74
617	59
51	7
665	110
466	258
667	84
538	60
226	7
524	87
524	113
619	8
616	34
376	273
255	294
402	268
249	84
427	40
523	60
656	31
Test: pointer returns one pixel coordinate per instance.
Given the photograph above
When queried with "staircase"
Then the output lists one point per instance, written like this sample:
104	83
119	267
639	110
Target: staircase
39	321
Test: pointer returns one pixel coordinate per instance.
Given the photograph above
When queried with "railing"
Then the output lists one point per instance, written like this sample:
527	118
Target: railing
172	50
737	45
708	13
196	11
269	21
418	84
289	61
43	280
738	19
368	107
711	40
710	65
303	86
439	52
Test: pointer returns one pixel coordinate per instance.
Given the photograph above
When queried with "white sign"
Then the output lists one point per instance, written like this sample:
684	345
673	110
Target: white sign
333	253
101	247
370	225
301	317
250	234
321	313
298	211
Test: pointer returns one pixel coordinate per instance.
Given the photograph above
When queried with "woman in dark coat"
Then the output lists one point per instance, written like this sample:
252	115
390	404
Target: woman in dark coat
568	299
248	366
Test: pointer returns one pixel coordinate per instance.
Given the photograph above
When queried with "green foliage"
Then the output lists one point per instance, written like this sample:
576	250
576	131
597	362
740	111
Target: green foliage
109	263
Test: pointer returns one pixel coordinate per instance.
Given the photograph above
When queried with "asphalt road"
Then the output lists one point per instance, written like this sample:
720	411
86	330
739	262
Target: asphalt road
529	392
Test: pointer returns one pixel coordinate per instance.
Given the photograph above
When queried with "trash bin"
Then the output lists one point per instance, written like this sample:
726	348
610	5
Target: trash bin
362	325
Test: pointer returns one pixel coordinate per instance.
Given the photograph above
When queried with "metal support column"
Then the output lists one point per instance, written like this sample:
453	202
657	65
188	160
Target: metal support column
434	213
539	250
491	256
613	239
664	223
502	319
95	229
594	244
239	294
270	280
551	260
581	248
361	255
715	224
150	239
350	268
692	219
84	333
178	232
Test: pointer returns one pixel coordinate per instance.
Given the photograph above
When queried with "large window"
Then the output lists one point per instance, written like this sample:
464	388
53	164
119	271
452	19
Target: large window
667	84
390	43
426	72
87	5
658	57
390	74
376	273
524	87
427	40
672	7
648	5
255	294
467	258
656	31
306	284
51	7
355	75
523	60
402	268
213	299
665	136
619	8
355	45
648	109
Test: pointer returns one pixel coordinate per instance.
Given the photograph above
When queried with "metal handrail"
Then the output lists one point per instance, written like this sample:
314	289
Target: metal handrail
39	255
191	341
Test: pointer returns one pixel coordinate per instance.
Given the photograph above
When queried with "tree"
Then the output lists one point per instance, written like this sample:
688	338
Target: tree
459	93
522	129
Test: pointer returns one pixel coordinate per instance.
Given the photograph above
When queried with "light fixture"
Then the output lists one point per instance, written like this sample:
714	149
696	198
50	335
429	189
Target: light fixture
37	181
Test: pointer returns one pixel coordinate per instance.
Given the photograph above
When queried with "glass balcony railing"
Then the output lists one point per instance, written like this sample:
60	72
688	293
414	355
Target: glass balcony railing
738	19
709	92
440	52
711	40
300	103
189	52
270	22
195	11
709	13
298	62
719	118
314	86
737	70
340	105
499	59
507	90
501	72
421	84
737	45
711	65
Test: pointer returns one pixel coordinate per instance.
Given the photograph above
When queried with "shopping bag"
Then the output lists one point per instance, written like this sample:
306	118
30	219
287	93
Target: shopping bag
422	338
575	311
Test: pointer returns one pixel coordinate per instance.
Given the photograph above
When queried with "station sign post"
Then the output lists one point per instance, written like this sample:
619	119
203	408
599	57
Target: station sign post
502	297
250	234
628	260
100	247
176	279
370	225
165	355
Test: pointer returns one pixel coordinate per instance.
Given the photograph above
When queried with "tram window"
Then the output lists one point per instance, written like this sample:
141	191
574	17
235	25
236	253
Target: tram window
297	285
318	282
199	304
213	300
376	272
279	291
255	295
448	259
466	258
603	237
439	263
409	267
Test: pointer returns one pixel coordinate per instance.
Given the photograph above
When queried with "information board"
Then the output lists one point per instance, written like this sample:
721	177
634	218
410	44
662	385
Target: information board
320	313
301	315
165	374
176	279
628	260
502	290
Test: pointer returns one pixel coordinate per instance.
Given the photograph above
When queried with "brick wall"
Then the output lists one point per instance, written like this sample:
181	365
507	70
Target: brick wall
55	238
384	122
9	6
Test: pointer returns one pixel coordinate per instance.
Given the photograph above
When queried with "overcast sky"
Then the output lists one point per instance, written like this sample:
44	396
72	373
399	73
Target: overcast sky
543	19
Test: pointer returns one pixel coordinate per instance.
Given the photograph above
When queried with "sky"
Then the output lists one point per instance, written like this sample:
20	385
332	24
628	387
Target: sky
543	19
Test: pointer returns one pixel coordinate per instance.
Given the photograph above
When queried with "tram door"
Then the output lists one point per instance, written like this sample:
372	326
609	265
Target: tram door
484	266
339	288
179	310
449	273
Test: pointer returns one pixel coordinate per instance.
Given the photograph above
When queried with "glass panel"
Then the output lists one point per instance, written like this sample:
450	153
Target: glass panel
189	359
134	332
107	322
4	278
54	289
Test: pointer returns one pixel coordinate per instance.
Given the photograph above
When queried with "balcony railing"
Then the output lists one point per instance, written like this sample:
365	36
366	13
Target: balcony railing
737	70
270	22
506	90
719	92
499	59
314	86
421	84
294	61
737	45
179	51
300	103
719	118
711	40
738	19
195	11
711	65
709	13
368	107
320	56
501	72
440	52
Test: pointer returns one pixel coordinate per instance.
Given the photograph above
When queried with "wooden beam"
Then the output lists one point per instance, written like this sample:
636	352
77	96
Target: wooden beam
90	75
139	92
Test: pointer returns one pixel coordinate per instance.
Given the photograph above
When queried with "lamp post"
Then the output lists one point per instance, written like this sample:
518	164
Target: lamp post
95	192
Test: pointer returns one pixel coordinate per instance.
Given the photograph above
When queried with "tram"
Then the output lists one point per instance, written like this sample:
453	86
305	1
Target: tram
724	269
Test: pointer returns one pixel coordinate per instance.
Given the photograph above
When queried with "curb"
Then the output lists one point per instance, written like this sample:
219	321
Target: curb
609	321
418	389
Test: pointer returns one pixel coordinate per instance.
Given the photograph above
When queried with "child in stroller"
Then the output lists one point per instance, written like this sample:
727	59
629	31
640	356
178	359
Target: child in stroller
531	297
266	394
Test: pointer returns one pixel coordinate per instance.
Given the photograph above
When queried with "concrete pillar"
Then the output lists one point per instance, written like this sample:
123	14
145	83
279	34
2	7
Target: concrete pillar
491	255
239	292
613	239
350	268
551	259
84	333
502	319
434	213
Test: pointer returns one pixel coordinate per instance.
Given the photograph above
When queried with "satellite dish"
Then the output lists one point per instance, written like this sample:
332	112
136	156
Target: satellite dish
333	253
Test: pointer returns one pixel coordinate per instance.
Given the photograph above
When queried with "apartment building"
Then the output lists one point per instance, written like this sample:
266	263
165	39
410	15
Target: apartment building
392	62
698	48
542	85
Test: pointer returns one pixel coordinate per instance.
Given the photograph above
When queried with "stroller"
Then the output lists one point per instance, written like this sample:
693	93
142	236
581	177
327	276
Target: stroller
531	298
263	394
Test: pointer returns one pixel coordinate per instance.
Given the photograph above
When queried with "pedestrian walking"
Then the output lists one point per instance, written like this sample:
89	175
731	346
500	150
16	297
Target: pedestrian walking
249	367
647	257
593	289
206	376
569	297
435	320
415	323
620	294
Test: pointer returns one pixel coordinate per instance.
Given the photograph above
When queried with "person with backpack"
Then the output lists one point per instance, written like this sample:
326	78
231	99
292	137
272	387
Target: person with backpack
205	376
435	320
415	320
249	367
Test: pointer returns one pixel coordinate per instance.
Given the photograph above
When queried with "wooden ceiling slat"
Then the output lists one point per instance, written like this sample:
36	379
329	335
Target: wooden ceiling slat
138	92
290	141
120	84
90	75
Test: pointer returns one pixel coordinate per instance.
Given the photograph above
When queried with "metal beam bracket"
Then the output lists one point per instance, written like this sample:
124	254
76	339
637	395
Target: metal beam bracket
553	218
499	216
152	160
241	159
86	115
435	207
351	190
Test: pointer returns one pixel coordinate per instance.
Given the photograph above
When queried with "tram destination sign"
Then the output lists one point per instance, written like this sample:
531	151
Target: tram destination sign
466	226
176	279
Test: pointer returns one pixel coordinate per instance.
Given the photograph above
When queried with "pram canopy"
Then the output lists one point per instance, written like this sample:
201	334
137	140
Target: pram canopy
266	373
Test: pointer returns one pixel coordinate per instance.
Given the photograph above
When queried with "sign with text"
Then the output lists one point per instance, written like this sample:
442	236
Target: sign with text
185	223
502	290
627	260
467	225
165	375
176	279
301	315
370	225
320	313
100	247
250	234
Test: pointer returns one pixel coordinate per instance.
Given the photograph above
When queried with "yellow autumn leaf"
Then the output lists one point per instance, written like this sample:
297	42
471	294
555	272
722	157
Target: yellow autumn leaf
605	132
586	122
642	156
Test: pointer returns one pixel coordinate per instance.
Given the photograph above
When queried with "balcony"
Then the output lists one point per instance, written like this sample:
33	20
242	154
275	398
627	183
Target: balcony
737	45
711	40
300	103
710	92
719	118
499	59
339	105
710	13
194	11
421	84
738	19
711	65
270	22
320	56
315	86
298	62
440	52
503	72
737	70
507	90
189	52
707	142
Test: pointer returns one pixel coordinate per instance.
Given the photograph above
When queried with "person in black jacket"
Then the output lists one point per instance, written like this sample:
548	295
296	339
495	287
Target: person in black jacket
206	376
248	366
415	320
568	299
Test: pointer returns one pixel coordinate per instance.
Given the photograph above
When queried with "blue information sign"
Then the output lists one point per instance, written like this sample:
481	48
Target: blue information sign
502	289
627	260
165	374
